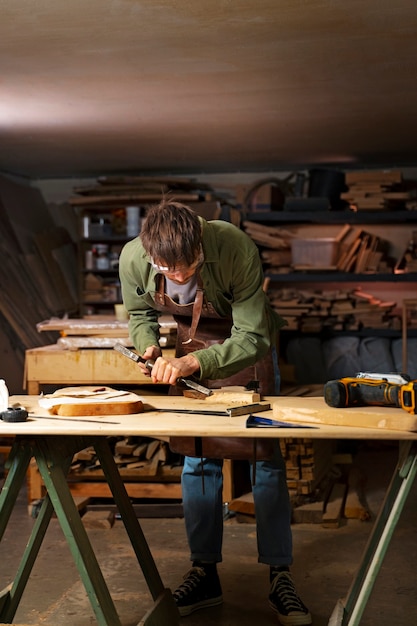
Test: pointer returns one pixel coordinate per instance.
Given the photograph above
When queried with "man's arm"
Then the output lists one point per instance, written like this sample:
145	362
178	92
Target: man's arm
136	280
252	325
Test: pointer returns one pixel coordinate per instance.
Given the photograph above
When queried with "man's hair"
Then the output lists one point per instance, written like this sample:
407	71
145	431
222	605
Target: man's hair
171	233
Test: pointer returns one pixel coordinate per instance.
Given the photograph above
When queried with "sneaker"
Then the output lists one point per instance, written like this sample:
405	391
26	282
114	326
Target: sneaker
284	600
198	591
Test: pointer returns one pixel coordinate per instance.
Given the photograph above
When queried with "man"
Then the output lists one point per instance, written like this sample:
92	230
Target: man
209	276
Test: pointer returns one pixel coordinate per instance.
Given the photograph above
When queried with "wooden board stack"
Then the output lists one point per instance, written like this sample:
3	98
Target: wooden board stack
269	236
135	457
120	191
376	190
313	311
102	331
363	252
307	463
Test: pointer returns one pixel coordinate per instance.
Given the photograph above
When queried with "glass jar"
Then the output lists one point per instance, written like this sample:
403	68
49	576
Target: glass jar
102	258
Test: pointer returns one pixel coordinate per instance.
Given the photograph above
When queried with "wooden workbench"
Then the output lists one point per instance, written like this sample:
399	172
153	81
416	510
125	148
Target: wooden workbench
53	365
53	441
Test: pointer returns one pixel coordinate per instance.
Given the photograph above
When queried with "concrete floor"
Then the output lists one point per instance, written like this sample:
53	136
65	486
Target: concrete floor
324	563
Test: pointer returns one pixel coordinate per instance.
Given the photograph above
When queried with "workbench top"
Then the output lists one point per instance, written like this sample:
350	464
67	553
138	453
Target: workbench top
152	423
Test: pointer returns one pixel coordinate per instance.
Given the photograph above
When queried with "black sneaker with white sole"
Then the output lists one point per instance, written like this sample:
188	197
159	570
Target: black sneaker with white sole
200	589
285	601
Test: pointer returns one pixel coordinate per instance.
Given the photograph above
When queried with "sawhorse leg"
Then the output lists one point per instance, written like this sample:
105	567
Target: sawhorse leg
349	612
53	456
164	612
17	465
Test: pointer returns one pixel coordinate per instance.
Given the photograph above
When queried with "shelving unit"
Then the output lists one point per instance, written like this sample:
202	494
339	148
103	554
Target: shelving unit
103	234
334	217
395	227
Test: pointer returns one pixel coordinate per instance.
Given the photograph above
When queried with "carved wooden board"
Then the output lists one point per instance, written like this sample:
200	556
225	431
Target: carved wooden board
94	400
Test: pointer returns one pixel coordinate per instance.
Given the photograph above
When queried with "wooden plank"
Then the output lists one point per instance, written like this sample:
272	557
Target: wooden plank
225	396
244	504
126	198
134	490
316	411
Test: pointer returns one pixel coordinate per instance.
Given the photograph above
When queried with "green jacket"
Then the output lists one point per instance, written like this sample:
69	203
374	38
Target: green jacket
233	282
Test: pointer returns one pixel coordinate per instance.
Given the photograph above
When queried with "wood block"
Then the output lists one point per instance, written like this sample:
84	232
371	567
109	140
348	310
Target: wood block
333	512
244	504
354	509
311	513
140	450
355	505
81	502
98	519
124	447
85	455
35	486
152	448
225	396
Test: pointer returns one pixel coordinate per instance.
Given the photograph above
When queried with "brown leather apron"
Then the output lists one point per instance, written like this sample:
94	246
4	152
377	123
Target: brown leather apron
199	326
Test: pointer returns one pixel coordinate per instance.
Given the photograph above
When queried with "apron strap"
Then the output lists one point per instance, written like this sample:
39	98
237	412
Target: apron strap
197	309
160	290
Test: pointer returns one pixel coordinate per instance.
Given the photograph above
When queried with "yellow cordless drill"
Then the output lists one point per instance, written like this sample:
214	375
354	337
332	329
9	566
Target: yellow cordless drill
369	389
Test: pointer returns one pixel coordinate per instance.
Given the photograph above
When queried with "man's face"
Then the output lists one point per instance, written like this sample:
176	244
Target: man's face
181	274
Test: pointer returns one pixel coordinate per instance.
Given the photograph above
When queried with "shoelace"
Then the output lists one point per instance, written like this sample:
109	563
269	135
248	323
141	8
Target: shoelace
191	581
283	587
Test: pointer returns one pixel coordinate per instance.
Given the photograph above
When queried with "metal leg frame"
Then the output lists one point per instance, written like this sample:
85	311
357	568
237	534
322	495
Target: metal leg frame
53	456
350	611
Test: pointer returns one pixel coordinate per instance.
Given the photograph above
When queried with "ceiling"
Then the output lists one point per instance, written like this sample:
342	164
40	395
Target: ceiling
205	86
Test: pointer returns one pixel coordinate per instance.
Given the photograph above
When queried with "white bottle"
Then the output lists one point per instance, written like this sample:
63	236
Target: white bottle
4	396
132	221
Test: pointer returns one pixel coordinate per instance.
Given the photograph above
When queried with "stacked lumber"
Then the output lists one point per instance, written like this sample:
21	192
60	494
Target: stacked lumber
278	260
116	191
135	457
307	462
112	194
364	252
102	331
314	311
340	495
380	190
269	236
354	250
408	260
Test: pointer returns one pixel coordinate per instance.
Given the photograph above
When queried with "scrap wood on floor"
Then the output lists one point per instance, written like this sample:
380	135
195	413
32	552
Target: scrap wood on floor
339	496
139	456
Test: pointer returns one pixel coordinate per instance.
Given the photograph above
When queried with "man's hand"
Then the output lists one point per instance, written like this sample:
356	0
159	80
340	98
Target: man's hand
168	370
150	354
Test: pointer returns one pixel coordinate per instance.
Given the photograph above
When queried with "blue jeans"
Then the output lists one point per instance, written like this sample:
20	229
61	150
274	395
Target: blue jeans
203	512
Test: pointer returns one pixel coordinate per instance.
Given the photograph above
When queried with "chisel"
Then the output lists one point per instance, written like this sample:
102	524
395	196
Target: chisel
149	365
